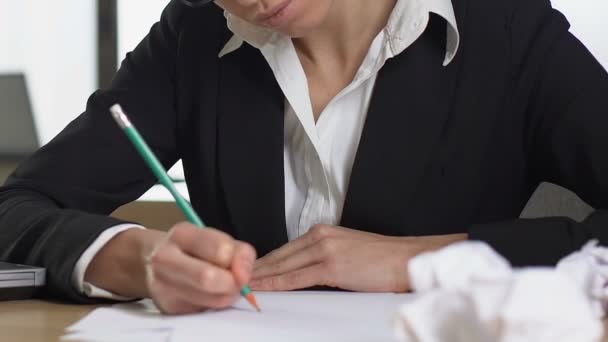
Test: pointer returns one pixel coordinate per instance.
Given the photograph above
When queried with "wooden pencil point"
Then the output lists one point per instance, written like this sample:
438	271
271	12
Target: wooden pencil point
252	300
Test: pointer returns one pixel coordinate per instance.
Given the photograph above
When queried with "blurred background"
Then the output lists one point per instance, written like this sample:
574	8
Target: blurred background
66	49
54	54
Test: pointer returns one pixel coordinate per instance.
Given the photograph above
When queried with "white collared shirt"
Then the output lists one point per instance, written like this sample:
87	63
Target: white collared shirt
318	156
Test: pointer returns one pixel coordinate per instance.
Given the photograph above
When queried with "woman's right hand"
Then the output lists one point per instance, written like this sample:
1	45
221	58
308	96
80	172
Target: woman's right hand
194	269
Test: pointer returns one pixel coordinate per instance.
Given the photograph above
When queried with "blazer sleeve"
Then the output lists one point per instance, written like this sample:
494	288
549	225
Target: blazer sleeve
564	92
57	202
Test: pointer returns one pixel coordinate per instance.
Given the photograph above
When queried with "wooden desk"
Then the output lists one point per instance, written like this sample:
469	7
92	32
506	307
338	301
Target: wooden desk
38	321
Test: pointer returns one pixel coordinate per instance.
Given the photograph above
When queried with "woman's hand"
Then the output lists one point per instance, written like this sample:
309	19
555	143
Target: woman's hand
184	271
344	258
193	269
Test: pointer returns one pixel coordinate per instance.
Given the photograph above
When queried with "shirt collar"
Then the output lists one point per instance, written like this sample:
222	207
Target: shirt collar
405	25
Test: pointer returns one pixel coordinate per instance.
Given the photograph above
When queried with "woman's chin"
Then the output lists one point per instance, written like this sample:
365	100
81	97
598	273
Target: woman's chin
300	21
294	32
299	28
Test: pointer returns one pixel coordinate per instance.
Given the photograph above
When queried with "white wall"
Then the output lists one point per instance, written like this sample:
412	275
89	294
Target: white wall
10	30
135	18
589	19
54	44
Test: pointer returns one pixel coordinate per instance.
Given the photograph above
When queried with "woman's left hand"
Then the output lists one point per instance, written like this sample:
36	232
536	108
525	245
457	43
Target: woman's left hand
344	258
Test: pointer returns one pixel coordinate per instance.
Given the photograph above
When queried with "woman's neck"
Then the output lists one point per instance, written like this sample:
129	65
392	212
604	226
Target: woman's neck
348	32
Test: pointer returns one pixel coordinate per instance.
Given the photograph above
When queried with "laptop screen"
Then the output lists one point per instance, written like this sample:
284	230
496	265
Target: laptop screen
18	137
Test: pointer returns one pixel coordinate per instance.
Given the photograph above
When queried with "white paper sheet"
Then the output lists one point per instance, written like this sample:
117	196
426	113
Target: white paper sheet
286	316
154	335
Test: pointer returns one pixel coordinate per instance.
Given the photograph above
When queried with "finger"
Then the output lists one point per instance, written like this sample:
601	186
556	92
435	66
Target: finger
295	280
197	274
314	235
300	259
242	263
173	306
208	244
194	296
175	299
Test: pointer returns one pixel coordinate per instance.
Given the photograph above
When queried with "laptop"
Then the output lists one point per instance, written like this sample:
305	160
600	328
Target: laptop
20	281
18	138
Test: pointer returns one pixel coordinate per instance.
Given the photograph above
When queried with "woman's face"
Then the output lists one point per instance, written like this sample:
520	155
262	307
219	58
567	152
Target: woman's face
294	18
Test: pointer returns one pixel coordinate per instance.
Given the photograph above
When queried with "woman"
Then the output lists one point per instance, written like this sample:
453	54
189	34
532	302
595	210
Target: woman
343	136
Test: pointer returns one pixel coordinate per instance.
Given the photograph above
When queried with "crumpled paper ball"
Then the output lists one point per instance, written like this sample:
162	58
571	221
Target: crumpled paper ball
467	292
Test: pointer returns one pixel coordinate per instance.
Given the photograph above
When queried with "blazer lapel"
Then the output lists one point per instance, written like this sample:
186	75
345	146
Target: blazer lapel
250	148
407	114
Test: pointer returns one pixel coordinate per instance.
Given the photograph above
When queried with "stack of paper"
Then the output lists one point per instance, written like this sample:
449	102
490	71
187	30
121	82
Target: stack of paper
286	316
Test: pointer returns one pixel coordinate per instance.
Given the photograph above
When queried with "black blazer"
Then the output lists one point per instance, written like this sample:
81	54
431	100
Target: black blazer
444	149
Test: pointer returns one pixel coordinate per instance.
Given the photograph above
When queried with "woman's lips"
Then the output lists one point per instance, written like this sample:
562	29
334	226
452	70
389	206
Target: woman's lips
277	16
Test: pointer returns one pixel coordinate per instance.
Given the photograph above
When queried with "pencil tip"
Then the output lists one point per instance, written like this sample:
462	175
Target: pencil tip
252	300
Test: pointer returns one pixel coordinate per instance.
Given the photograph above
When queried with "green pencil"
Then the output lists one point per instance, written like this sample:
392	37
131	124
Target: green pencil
159	171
